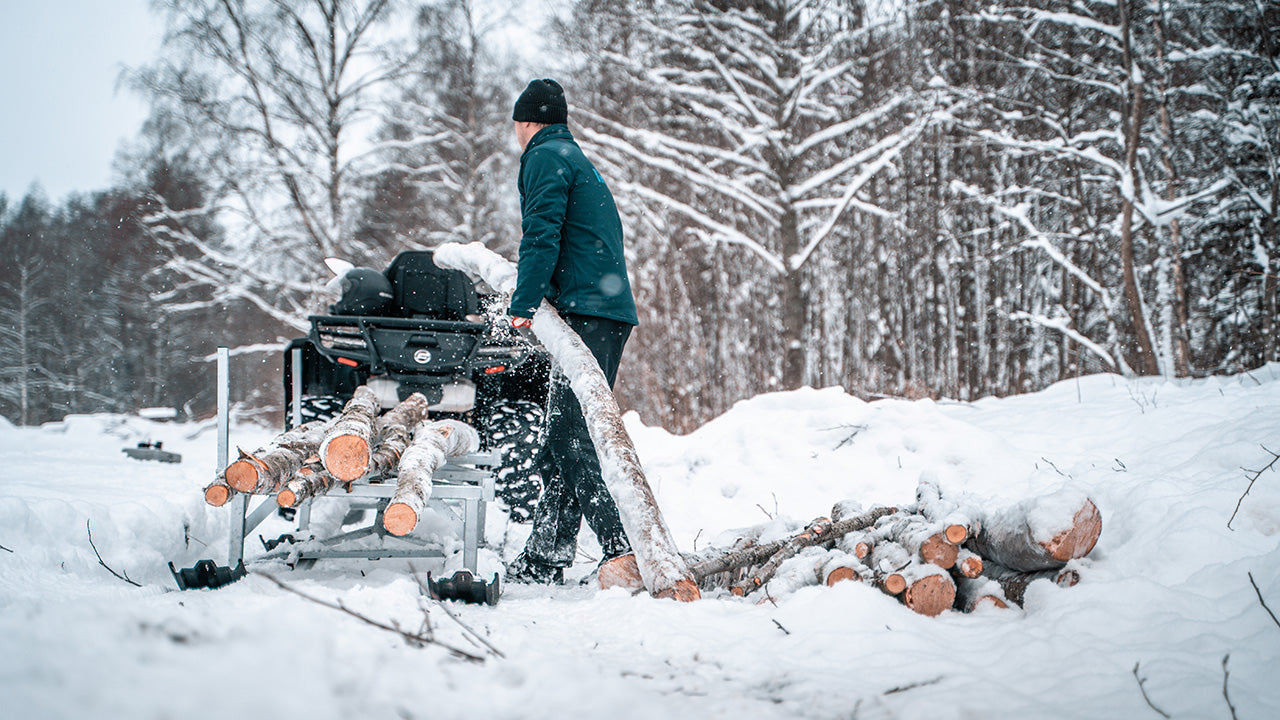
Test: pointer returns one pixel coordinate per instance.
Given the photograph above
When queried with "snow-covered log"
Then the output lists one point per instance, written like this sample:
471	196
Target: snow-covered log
841	566
929	589
270	467
973	593
954	521
1040	533
968	563
662	568
433	444
1015	583
345	447
919	536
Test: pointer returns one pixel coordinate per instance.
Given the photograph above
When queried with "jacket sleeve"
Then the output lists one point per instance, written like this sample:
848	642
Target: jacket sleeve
545	181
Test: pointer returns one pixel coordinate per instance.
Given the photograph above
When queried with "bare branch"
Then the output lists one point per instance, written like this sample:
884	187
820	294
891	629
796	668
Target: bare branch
1263	601
1256	474
102	562
413	639
1142	688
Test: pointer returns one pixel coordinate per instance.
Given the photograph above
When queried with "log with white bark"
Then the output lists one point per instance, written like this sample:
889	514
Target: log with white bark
661	565
433	444
1040	533
309	481
922	538
270	467
345	449
954	520
393	432
218	492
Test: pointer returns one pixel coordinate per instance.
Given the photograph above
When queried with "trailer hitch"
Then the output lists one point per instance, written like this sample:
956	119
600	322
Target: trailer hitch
206	574
465	587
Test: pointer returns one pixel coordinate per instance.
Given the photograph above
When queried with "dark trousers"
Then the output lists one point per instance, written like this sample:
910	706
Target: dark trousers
573	488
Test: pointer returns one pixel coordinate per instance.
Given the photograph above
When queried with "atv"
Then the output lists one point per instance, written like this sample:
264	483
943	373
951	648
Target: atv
420	328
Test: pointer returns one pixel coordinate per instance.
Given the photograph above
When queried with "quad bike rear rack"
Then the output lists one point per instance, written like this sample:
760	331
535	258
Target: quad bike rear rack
465	484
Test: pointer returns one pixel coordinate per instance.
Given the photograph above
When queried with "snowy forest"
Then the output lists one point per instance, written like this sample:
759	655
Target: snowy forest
944	198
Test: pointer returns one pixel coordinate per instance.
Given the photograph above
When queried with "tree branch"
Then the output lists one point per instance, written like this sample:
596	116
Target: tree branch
1263	601
1141	688
102	562
414	639
1256	474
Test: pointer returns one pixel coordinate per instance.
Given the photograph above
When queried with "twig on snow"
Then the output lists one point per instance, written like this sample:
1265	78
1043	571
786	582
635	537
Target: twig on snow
1256	474
1226	675
913	686
1141	683
775	622
414	639
425	592
102	562
1262	600
5	549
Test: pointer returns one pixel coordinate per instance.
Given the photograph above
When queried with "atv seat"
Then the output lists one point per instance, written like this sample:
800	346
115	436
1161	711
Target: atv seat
422	289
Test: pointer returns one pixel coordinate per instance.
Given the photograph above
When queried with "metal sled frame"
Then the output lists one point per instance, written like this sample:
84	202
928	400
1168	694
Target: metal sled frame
464	482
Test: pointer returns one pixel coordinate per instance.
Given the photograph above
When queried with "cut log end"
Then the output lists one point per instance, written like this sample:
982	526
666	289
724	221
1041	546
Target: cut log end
217	495
989	600
930	595
1079	539
971	567
956	534
399	519
939	551
347	457
243	476
893	584
862	549
684	590
287	498
841	574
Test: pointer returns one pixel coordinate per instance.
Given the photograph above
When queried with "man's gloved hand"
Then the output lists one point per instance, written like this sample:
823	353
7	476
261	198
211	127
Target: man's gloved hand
520	323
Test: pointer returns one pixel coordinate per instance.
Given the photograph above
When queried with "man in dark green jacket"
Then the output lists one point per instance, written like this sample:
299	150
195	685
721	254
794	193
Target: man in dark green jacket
571	255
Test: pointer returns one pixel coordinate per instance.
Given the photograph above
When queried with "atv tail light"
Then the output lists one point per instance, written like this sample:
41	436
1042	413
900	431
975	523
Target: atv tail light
348	362
495	369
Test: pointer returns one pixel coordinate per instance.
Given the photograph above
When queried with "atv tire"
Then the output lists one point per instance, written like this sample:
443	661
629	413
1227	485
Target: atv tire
514	429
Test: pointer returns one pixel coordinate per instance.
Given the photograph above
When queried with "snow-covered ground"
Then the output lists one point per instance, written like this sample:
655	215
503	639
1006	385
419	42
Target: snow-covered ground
1165	598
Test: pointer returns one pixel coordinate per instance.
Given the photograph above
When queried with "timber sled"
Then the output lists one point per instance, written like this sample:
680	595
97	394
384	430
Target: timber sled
461	480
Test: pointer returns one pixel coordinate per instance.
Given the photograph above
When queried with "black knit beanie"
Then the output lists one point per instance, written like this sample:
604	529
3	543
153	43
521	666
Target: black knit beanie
542	102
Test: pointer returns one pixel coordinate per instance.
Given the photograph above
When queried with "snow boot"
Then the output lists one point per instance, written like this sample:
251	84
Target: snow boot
524	569
621	571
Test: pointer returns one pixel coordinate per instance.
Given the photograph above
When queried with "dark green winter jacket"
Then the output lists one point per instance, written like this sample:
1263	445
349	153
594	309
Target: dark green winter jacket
571	251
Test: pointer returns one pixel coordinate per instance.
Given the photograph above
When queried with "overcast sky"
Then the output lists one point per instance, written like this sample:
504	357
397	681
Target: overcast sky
62	117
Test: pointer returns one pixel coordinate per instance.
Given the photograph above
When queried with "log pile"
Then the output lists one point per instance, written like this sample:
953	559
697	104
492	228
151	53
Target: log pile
935	554
357	446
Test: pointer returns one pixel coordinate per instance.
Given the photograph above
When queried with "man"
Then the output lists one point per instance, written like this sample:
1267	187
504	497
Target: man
571	255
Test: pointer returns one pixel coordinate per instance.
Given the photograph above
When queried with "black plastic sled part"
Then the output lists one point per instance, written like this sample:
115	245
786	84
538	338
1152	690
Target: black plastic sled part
465	587
207	574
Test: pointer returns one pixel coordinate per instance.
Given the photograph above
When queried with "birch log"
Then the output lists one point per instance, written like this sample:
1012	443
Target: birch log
309	481
661	565
1041	533
218	492
394	432
267	469
345	448
433	444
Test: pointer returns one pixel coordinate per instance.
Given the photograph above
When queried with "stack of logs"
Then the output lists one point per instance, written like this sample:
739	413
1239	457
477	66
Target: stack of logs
933	555
357	446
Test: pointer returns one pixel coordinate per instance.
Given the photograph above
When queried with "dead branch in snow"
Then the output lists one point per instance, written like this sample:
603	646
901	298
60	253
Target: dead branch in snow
1260	599
5	549
1226	676
1142	689
413	639
102	562
1256	474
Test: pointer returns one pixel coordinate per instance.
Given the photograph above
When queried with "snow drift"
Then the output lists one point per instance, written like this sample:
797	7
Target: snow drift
1169	612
